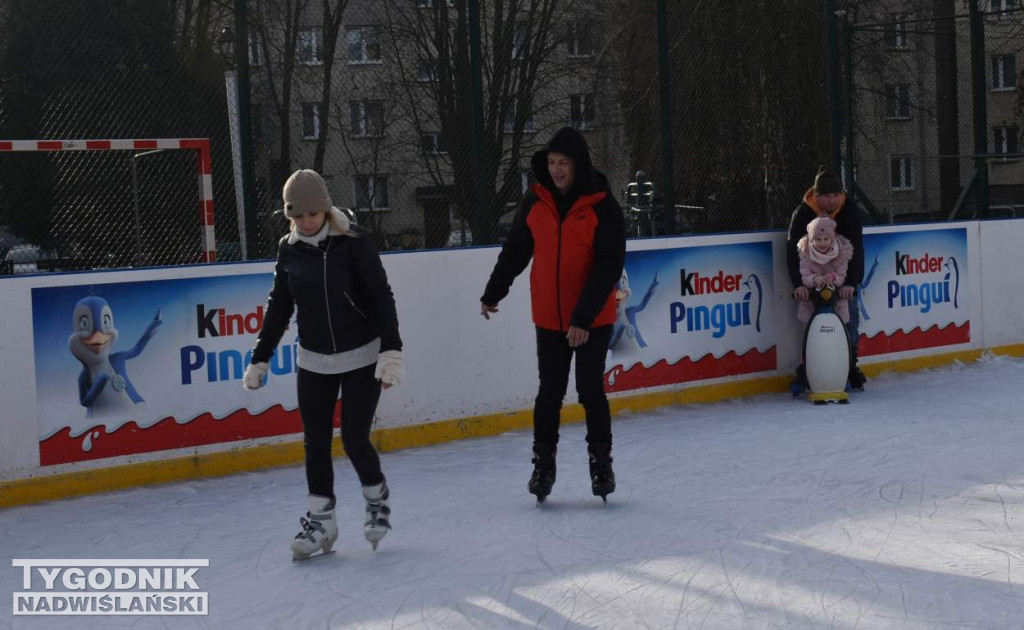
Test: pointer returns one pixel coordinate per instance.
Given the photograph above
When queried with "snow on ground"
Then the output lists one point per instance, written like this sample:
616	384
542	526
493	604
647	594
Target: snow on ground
902	510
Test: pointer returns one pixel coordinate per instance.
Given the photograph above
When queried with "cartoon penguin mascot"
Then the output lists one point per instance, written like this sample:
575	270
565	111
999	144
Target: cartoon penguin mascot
103	385
622	326
626	337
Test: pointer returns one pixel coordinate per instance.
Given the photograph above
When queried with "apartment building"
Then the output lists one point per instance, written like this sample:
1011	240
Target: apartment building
900	129
395	128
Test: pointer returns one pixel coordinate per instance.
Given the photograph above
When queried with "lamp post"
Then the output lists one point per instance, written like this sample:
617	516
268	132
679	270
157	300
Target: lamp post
639	196
226	44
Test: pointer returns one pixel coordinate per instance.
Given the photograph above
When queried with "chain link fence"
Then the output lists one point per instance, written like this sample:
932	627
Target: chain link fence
924	140
378	96
108	70
106	209
748	108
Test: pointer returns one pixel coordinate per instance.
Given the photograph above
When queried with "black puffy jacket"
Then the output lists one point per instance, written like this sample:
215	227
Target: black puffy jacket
341	292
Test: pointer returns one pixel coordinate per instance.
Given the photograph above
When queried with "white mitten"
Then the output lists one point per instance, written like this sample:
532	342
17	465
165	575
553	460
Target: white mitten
253	377
389	367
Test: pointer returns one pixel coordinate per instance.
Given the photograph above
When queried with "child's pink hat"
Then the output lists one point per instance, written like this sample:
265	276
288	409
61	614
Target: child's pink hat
821	226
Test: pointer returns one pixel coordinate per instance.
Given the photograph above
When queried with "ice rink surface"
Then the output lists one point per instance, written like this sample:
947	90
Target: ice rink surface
904	509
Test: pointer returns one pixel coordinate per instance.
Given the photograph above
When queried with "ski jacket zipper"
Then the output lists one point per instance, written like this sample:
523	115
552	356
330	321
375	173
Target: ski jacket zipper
558	271
352	302
327	299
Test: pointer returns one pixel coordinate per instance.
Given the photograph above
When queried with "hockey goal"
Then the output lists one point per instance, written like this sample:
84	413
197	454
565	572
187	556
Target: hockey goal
108	207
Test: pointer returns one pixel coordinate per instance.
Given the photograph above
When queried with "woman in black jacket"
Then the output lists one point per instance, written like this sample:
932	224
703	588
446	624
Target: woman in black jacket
329	271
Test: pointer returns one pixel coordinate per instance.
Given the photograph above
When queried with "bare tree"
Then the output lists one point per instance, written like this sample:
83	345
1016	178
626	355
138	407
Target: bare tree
277	25
332	17
434	73
369	146
197	22
748	103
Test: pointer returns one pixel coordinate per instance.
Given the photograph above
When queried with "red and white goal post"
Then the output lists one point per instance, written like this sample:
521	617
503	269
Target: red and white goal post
203	169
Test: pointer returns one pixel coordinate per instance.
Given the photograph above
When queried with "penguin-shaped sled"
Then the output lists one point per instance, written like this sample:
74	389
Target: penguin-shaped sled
827	353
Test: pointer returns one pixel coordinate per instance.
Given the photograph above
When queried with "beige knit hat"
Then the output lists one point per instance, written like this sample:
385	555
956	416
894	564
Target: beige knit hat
305	193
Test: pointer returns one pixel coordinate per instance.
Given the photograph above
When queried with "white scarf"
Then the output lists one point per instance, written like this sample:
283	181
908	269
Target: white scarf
325	230
826	257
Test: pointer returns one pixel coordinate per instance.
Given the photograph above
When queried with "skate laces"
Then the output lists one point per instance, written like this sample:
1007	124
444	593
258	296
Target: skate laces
309	528
600	466
378	505
543	463
542	476
377	513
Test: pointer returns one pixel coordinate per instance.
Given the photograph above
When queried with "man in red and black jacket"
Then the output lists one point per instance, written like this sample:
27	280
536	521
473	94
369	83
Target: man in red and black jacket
573	228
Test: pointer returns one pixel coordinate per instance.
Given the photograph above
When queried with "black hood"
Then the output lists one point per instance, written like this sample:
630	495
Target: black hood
570	142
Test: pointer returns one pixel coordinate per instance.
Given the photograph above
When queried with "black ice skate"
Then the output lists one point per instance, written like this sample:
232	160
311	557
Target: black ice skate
857	379
799	384
602	477
543	476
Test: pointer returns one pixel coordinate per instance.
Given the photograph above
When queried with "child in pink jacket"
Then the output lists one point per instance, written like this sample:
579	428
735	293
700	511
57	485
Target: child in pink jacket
824	257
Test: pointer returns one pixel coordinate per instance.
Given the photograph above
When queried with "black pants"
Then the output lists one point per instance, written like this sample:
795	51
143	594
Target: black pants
553	359
318	394
853	326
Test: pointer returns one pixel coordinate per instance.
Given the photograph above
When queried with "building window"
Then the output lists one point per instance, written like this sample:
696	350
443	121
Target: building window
1001	8
526	179
901	173
366	118
1004	72
896	32
581	111
311	47
519	42
363	44
897	101
580	43
371	192
426	71
1005	140
433	143
310	121
510	121
255	49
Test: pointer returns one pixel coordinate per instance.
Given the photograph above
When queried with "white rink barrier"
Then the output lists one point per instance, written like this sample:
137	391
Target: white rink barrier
708	314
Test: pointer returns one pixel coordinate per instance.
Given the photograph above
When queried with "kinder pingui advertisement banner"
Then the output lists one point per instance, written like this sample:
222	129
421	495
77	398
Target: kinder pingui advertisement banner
914	293
147	366
692	313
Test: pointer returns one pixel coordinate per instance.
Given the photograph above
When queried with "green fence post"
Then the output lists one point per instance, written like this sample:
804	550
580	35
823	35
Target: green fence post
834	106
479	192
667	159
245	131
979	85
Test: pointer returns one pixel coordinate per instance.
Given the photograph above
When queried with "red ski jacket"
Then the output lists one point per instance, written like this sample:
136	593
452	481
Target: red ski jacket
577	259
